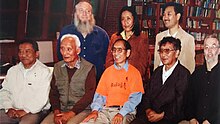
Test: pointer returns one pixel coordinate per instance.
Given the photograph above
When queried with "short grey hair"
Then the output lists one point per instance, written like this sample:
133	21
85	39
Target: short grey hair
77	41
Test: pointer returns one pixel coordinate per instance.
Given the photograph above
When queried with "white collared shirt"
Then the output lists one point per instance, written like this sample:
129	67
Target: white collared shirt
26	89
167	73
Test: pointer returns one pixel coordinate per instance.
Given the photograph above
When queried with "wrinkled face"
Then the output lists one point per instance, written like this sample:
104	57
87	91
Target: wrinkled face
84	11
120	54
211	50
170	18
168	54
27	55
69	50
127	21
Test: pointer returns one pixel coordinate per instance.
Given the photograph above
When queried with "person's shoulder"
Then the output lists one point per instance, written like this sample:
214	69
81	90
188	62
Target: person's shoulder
99	29
59	63
182	69
163	33
160	35
13	68
42	66
133	69
186	35
70	26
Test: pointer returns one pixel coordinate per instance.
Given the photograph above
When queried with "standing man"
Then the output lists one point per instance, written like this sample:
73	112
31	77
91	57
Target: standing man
119	91
73	85
94	40
24	96
204	91
172	16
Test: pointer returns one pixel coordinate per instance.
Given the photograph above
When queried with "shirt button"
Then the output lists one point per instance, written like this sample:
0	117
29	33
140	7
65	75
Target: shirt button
84	48
84	40
84	55
204	107
208	82
206	94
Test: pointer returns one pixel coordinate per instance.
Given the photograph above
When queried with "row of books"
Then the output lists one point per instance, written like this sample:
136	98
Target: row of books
197	24
198	11
216	25
139	10
217	13
199	37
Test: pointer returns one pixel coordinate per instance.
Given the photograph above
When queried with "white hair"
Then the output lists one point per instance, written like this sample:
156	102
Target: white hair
77	41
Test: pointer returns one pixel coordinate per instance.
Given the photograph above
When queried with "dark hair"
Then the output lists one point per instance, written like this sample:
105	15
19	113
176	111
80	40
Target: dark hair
175	41
33	43
125	42
178	8
136	28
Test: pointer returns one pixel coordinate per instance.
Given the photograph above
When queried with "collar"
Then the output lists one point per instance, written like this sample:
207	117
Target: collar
171	69
22	66
214	67
124	35
125	66
77	64
174	35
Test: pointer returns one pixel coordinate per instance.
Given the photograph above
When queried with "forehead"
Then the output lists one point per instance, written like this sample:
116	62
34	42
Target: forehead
169	9
126	13
26	46
211	41
167	45
84	5
119	44
68	40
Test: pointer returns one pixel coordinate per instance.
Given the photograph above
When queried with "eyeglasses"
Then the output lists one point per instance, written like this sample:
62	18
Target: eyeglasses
119	50
87	12
212	47
167	51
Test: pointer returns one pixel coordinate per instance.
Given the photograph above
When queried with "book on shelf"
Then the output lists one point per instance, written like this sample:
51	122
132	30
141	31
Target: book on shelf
216	24
139	10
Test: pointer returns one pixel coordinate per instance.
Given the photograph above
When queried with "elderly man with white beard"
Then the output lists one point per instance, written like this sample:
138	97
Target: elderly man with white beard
94	40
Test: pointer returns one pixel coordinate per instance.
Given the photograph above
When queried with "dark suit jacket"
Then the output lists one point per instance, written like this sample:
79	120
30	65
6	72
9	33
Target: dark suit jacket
167	97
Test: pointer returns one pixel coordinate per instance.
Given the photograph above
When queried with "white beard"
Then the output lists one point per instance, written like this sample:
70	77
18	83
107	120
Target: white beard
84	27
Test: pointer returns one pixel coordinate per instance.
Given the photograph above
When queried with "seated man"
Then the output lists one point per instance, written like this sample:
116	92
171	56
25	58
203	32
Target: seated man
163	101
73	85
119	90
25	92
203	104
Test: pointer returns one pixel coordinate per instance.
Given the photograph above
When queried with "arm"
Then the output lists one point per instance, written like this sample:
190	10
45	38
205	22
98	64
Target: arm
97	105
54	96
90	87
190	100
5	93
129	106
109	58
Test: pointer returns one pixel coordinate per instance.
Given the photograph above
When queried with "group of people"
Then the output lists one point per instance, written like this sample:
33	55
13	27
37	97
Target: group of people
101	81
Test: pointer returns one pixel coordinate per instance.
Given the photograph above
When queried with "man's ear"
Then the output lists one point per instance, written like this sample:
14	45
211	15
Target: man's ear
178	16
37	54
177	53
78	50
128	53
